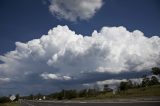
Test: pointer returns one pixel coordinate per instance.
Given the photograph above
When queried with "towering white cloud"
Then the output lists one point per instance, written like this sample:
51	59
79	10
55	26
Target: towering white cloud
73	9
63	55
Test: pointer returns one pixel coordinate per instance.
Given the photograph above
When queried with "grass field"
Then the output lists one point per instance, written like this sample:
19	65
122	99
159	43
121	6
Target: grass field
144	92
10	104
151	91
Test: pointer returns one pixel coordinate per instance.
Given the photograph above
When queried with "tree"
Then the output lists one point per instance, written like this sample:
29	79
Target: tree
154	81
129	84
17	97
106	88
31	97
156	71
145	82
60	95
69	94
39	96
126	85
123	86
82	93
4	99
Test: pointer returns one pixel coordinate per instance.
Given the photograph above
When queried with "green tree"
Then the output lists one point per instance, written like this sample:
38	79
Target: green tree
91	92
39	96
82	93
17	97
129	84
154	81
31	97
60	95
126	85
4	99
145	82
156	71
69	94
106	88
123	86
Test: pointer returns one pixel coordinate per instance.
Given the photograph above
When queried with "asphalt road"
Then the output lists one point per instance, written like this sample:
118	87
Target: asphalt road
41	103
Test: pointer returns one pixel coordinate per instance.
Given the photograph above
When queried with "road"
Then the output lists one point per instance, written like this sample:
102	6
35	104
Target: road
51	103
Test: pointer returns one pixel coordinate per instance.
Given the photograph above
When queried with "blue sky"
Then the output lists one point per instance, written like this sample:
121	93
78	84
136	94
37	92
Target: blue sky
23	20
76	42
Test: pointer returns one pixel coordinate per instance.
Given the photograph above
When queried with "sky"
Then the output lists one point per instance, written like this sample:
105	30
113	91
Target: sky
49	45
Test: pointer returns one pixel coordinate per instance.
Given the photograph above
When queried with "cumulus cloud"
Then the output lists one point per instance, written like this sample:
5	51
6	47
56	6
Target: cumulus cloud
74	9
62	55
115	82
112	83
54	76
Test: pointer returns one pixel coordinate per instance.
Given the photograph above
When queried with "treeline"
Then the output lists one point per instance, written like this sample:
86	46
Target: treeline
70	94
6	99
64	94
146	81
94	92
124	85
88	93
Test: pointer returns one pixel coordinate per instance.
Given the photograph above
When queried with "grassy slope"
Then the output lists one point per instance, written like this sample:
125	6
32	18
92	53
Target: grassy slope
152	91
10	104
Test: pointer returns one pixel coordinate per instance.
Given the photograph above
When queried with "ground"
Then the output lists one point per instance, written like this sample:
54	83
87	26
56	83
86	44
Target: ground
10	104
